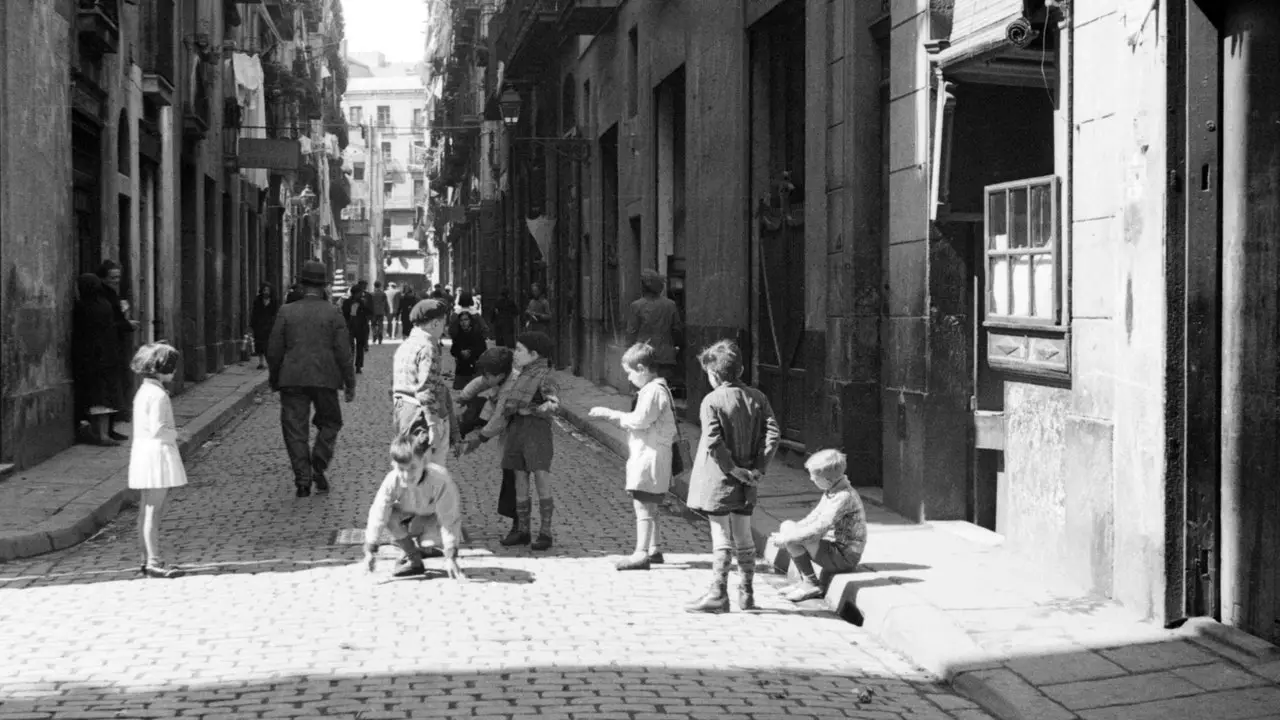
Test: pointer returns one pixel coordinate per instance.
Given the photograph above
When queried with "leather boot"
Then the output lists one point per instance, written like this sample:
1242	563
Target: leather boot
716	599
411	564
747	568
520	534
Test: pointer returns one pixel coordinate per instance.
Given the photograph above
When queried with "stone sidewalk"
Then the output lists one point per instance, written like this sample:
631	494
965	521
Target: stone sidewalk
68	497
1008	635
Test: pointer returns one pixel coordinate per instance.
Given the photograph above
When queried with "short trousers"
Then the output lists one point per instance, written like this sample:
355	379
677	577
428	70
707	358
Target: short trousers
528	447
647	497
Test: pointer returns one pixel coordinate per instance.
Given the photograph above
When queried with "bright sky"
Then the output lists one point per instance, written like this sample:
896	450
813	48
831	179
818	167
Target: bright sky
393	27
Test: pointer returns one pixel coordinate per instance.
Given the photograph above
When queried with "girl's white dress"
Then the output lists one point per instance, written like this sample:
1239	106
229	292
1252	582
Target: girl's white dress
651	428
154	459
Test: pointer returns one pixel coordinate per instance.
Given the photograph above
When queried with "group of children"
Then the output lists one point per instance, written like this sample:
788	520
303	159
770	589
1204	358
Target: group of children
514	397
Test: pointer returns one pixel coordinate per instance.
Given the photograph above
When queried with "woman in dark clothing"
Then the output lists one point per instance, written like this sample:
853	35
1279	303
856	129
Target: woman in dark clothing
95	355
468	343
504	313
112	276
263	318
408	299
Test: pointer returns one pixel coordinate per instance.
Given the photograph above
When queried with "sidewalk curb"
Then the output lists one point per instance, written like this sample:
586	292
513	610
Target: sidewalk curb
879	604
99	504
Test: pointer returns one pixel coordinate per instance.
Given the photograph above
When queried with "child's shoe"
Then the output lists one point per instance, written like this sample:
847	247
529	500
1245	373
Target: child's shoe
542	543
515	537
408	567
746	598
160	570
715	601
634	563
656	559
804	590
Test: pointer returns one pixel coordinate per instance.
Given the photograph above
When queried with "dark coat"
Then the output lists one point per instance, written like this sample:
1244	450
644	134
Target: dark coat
472	340
357	321
96	351
738	430
310	347
263	317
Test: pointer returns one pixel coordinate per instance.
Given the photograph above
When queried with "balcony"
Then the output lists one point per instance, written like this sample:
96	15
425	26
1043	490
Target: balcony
197	110
98	26
357	227
157	51
585	17
528	35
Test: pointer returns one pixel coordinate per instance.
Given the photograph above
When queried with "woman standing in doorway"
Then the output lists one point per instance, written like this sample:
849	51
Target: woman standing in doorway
265	308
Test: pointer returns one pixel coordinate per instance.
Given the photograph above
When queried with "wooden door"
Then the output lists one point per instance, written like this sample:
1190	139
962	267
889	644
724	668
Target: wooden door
778	173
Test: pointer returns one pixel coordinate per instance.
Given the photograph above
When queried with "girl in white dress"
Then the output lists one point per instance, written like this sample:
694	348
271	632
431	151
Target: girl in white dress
155	464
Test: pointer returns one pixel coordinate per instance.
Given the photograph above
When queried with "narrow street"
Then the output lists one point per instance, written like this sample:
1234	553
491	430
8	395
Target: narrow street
276	620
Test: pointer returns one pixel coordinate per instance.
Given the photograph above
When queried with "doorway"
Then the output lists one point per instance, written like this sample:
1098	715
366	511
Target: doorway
610	270
86	164
778	172
1225	211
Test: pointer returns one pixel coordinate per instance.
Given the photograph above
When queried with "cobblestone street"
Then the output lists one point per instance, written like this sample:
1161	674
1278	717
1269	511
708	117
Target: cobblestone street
276	620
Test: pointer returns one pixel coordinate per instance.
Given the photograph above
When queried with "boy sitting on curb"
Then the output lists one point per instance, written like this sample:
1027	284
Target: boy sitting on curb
834	533
417	500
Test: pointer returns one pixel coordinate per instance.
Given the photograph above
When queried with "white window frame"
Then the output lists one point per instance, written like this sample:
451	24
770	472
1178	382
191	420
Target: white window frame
1001	258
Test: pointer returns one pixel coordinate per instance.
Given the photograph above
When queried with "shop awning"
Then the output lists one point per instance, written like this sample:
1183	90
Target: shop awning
416	266
979	27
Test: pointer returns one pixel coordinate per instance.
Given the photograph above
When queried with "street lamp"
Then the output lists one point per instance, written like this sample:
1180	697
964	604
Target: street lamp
509	105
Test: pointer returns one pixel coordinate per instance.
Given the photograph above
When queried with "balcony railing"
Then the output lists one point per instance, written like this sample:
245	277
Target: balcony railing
98	26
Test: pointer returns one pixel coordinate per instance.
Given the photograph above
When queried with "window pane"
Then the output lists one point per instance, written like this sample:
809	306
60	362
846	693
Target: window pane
1021	285
999	230
1043	269
1018	217
1041	216
998	282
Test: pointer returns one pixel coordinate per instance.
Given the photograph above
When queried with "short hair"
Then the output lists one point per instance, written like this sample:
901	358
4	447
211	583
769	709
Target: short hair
427	310
495	361
722	359
537	342
466	299
377	286
652	281
641	354
154	359
830	464
409	445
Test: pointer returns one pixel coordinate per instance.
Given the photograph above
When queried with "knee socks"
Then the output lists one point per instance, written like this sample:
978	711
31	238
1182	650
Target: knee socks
524	509
720	562
804	566
546	508
747	565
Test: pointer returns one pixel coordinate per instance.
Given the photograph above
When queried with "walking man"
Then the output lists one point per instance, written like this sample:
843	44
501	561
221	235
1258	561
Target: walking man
379	311
309	360
356	309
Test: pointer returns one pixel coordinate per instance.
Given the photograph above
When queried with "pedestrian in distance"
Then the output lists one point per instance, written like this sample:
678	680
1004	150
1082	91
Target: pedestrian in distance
739	438
522	411
262	318
655	319
478	400
393	310
380	307
651	427
537	314
155	463
833	534
408	298
95	362
418	505
420	398
309	361
503	316
357	309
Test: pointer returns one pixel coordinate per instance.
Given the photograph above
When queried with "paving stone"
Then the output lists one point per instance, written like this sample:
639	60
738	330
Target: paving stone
1126	690
1009	696
1218	676
1158	656
1227	705
1070	667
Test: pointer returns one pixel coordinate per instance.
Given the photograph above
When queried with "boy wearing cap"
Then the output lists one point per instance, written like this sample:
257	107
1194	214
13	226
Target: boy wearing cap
419	394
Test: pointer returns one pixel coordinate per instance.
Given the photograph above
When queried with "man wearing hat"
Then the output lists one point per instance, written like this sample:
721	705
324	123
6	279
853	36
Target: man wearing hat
420	397
309	357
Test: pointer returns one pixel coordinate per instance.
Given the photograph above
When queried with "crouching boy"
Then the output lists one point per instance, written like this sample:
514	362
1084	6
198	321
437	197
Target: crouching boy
417	501
833	534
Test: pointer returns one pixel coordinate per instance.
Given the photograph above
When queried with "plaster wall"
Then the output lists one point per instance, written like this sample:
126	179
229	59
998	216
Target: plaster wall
37	261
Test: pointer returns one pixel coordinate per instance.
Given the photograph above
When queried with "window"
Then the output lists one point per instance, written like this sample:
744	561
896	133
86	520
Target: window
418	119
355	115
418	189
633	71
386	151
384	116
357	172
1024	274
387	188
386	227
